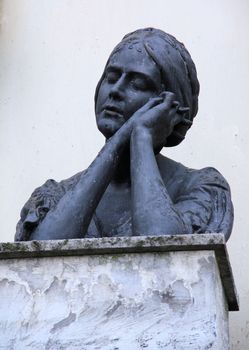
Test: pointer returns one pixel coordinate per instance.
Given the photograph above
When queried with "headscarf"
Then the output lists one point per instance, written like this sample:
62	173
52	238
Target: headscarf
178	72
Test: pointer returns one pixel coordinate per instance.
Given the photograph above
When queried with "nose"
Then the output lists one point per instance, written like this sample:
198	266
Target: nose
31	220
117	89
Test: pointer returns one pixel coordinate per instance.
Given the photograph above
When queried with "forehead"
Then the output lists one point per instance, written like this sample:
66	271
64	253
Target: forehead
134	58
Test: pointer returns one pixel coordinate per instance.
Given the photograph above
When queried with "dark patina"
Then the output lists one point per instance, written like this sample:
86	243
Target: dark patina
146	99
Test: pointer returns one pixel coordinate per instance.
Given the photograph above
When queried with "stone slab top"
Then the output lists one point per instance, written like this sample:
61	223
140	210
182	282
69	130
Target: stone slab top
124	245
111	245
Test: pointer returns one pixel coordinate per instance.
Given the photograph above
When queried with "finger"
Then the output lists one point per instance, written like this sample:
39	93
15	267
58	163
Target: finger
186	122
168	101
179	119
183	110
176	104
168	108
168	96
152	103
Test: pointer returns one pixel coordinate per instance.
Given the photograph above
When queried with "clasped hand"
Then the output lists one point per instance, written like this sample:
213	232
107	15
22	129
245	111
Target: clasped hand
158	117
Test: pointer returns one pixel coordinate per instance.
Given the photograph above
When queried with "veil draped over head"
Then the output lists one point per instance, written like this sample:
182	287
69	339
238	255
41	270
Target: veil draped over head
178	72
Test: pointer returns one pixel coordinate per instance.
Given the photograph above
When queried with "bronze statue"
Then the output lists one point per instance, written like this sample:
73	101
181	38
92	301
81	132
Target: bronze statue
146	99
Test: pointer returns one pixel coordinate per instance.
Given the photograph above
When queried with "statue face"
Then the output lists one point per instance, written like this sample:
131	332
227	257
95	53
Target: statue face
131	78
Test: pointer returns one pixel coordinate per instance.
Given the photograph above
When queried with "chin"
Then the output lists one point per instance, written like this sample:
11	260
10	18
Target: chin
108	127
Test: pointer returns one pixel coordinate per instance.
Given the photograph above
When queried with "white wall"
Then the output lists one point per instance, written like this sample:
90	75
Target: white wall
52	55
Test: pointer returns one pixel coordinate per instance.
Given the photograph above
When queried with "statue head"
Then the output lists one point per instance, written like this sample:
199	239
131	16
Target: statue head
161	63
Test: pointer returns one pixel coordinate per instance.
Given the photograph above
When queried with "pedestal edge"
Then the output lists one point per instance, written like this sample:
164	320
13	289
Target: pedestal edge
137	244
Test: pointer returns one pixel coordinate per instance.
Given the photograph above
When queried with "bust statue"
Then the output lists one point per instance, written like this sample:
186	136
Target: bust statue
145	100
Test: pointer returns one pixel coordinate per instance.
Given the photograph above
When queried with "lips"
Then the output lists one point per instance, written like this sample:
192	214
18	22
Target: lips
113	111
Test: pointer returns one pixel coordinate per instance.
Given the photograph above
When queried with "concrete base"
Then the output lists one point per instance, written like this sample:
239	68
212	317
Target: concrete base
116	294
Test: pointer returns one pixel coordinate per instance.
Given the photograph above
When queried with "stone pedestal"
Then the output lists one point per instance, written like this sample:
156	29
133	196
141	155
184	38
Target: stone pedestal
116	294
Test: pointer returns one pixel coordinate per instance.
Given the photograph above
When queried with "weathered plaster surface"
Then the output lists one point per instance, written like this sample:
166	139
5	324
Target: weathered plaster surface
211	241
141	244
149	300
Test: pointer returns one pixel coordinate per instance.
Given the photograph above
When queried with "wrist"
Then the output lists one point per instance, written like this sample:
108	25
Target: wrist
142	133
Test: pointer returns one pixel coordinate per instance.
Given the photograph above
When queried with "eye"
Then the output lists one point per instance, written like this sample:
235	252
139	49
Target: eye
140	84
112	77
42	211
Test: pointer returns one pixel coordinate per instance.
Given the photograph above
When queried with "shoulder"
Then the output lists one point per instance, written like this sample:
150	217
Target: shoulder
51	192
184	179
42	200
206	195
52	188
202	197
205	177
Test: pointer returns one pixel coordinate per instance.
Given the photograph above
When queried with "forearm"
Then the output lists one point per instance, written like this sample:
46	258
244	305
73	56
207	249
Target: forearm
152	209
73	213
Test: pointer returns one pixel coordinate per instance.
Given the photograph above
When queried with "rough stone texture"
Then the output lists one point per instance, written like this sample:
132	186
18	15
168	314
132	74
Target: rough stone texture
114	301
110	245
104	245
114	245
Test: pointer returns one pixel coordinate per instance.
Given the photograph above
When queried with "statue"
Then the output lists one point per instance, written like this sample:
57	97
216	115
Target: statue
146	99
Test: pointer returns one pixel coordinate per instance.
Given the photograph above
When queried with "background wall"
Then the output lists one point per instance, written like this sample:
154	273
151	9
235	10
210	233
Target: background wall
52	55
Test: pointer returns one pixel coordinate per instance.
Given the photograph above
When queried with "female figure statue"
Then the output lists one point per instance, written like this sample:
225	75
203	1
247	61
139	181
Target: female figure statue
146	99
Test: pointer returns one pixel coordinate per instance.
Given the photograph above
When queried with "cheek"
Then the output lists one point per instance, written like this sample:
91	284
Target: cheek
101	96
99	103
137	100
